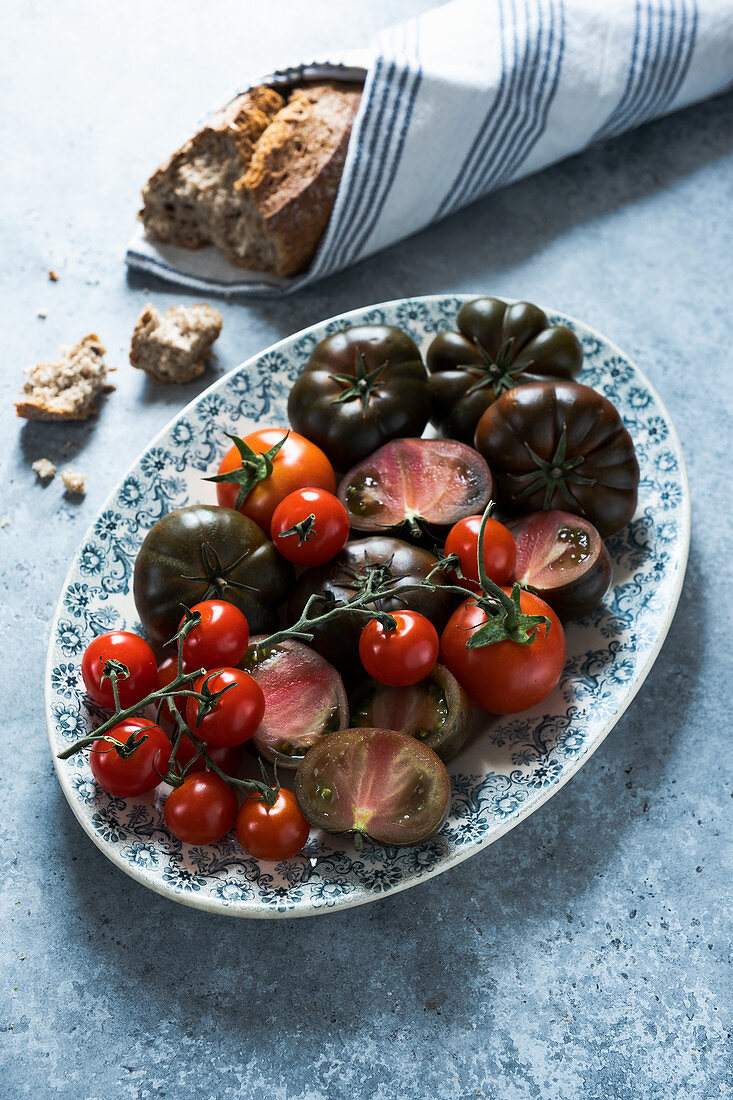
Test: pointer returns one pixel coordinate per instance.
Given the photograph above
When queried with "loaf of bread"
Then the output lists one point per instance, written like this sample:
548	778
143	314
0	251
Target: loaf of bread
259	180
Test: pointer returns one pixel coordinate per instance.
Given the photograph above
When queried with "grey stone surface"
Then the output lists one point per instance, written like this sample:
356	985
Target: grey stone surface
587	953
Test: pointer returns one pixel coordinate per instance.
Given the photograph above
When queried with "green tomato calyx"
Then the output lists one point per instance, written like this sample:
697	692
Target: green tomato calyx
254	469
361	384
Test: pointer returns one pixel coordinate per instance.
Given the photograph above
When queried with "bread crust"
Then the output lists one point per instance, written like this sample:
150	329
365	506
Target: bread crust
296	168
259	180
69	387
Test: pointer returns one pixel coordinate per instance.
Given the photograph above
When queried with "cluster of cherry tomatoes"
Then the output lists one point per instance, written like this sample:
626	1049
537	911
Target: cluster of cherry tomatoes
223	705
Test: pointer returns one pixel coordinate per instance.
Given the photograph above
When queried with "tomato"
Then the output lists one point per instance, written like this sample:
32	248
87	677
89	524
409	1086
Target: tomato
505	677
272	832
226	757
202	810
130	650
500	551
219	640
135	772
235	716
299	463
309	527
401	656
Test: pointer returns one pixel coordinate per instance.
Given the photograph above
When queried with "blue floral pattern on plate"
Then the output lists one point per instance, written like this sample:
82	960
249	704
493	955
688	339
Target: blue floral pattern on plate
508	769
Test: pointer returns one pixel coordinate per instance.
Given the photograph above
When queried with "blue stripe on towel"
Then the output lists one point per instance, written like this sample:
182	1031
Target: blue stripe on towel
386	178
491	121
369	135
518	116
657	69
544	89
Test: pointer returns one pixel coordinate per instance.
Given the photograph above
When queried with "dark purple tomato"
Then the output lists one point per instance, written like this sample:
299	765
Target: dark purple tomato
377	784
564	560
304	699
416	481
436	710
397	564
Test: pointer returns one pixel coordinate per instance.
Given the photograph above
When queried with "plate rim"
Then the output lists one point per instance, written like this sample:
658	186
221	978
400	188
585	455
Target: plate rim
246	909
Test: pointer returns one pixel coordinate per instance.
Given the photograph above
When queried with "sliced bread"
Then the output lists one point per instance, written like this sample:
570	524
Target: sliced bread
191	200
264	201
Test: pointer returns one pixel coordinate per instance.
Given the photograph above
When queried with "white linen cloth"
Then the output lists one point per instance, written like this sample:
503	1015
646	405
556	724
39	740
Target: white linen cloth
477	93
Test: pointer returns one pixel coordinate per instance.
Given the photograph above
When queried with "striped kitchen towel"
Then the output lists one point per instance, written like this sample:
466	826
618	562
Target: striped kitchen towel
473	95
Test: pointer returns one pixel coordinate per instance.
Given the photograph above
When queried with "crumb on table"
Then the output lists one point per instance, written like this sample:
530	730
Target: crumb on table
74	481
44	469
52	275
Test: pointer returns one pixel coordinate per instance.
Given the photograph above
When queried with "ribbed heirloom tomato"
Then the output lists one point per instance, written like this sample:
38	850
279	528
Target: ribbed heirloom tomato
504	677
298	464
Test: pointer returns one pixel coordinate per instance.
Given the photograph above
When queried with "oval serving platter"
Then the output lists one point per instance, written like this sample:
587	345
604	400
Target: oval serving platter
506	771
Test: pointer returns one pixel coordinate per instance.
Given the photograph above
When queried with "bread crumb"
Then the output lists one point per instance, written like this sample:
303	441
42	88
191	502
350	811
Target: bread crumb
74	482
68	387
44	469
42	314
53	276
172	347
5	523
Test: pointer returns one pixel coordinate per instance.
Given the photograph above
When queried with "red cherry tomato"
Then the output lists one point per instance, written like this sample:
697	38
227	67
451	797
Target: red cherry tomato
130	650
505	677
236	715
167	672
202	810
401	656
219	640
500	550
310	526
272	832
226	757
297	464
131	773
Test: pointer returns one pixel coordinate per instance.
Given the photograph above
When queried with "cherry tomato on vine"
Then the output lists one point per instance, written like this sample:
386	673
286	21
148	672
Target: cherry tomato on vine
272	832
202	810
167	672
298	463
504	677
500	550
235	716
401	656
219	640
310	526
125	773
130	650
226	757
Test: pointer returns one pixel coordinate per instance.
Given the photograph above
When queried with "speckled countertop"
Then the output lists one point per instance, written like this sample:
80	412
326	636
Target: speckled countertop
584	955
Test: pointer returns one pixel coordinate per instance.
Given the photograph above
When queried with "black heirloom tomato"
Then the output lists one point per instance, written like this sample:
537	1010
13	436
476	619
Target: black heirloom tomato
498	346
397	563
561	446
201	551
360	388
379	785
